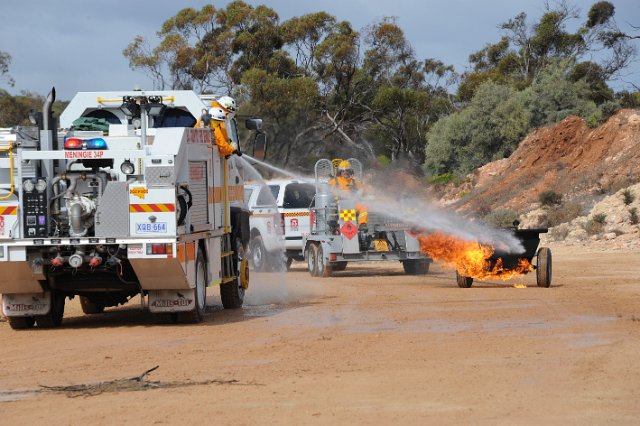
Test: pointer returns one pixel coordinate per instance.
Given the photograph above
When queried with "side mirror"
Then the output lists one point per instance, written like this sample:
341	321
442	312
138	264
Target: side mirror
260	146
253	124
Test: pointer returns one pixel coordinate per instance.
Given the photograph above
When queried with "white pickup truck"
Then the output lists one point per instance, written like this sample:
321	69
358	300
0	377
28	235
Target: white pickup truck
280	217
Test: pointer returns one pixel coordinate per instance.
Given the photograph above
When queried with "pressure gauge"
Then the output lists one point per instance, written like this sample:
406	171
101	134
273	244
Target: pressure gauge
27	185
41	185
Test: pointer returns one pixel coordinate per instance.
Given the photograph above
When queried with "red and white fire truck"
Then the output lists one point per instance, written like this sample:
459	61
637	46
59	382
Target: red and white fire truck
130	200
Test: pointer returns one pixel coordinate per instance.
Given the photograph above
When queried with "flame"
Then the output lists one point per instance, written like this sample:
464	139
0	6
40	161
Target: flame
469	258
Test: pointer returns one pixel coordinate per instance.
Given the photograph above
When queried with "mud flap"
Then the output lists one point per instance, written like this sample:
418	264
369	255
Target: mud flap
169	301
26	305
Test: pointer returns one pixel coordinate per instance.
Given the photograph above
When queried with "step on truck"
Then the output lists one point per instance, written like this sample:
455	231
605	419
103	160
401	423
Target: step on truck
336	240
129	199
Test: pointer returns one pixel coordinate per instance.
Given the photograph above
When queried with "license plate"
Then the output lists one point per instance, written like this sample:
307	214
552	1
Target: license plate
151	228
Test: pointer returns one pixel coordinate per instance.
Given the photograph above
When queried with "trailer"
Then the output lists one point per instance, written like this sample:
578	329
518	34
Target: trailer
335	239
129	200
530	239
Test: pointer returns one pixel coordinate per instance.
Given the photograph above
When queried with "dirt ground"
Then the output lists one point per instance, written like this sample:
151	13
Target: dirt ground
370	346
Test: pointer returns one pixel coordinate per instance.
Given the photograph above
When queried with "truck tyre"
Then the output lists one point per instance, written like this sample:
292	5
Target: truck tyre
312	259
463	282
325	270
543	267
89	308
232	293
340	266
54	317
21	323
258	254
200	293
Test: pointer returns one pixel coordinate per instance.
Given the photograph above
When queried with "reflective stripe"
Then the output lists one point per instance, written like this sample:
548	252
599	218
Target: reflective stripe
151	208
296	214
9	211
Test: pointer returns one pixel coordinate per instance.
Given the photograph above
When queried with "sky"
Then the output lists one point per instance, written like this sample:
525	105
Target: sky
76	45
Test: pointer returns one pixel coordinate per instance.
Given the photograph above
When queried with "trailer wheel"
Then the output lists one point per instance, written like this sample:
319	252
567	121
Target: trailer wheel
312	259
339	266
232	293
416	266
200	293
543	267
54	317
463	282
21	323
325	270
258	254
89	307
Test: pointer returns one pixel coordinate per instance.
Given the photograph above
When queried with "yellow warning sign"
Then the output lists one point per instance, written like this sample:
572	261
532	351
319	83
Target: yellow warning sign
139	192
348	214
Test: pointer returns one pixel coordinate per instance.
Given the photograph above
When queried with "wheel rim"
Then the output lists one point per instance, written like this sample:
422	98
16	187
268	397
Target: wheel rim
257	255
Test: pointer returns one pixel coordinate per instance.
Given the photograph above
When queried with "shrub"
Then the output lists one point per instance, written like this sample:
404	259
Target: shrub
592	227
383	160
600	218
550	198
559	233
628	197
501	218
565	213
442	179
633	215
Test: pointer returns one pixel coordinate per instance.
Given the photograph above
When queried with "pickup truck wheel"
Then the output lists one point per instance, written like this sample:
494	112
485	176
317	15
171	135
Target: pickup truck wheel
89	307
200	293
325	270
54	317
21	323
258	254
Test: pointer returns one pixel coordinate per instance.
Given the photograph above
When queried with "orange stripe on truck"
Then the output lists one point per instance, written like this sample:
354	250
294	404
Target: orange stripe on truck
152	208
236	193
8	211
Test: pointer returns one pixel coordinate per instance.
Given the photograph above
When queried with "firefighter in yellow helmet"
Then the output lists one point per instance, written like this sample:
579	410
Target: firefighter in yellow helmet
220	110
220	136
345	182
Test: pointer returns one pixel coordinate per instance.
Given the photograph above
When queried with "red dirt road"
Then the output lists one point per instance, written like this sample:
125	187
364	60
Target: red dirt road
370	346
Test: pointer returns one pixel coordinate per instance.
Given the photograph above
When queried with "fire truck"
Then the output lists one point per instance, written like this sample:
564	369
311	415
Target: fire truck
127	199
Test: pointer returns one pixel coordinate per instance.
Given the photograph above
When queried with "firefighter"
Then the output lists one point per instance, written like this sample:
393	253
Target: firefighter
220	136
344	182
218	115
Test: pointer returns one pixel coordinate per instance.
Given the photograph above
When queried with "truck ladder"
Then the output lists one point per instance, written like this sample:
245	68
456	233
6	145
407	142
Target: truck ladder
228	274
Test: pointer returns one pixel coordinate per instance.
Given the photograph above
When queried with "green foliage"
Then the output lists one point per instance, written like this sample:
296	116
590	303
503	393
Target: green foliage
490	128
5	61
442	179
563	213
628	197
593	227
383	160
633	215
550	198
600	218
501	218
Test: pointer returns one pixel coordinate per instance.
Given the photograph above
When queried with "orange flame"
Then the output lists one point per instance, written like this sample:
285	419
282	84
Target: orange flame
470	259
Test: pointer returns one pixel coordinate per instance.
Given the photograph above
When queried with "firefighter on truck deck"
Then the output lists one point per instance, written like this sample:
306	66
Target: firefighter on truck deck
221	110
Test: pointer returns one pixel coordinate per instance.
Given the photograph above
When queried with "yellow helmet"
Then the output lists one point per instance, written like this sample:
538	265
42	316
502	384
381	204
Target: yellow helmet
345	166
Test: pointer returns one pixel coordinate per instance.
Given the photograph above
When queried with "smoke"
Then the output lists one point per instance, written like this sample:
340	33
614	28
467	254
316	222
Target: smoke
403	197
